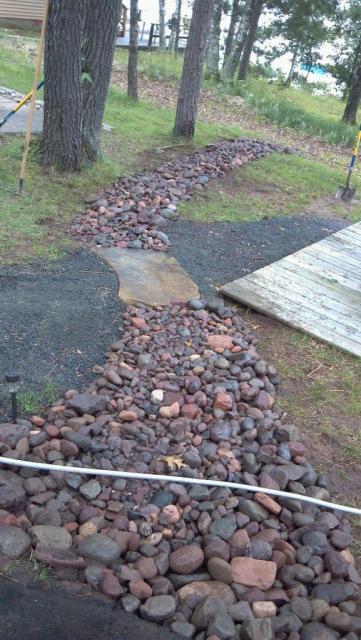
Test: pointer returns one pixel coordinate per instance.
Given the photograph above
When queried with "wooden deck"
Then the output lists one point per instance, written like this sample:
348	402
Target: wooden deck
316	289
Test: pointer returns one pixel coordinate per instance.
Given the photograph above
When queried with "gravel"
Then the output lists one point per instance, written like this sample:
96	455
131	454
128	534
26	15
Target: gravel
56	320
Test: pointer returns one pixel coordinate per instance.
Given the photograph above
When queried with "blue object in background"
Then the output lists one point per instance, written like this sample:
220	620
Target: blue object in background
317	70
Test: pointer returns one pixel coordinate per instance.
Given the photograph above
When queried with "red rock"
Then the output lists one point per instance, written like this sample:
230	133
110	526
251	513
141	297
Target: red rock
9	519
69	449
59	558
140	589
52	431
110	586
139	323
37	420
190	411
266	501
254	573
128	416
223	401
170	412
72	527
147	568
263	400
186	559
296	448
239	541
220	341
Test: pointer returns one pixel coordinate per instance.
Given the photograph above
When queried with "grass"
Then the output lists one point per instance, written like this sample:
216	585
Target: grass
325	391
31	402
33	225
278	184
154	64
318	116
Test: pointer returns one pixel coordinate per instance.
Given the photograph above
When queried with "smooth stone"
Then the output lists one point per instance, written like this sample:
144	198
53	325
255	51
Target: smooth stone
158	608
51	537
14	542
100	548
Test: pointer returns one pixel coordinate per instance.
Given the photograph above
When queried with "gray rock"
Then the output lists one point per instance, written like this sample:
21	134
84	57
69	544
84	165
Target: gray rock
301	607
130	603
10	434
83	442
206	610
286	622
88	403
12	492
224	528
90	490
48	536
240	611
253	510
257	630
100	548
183	629
158	608
335	592
222	626
220	431
14	542
93	575
318	631
73	480
317	541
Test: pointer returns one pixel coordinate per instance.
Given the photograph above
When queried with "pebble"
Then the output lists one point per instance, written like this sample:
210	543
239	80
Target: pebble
158	608
186	559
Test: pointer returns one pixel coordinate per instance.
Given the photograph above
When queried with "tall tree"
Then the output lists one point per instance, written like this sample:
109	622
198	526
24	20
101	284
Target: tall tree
354	99
61	144
232	61
162	36
177	26
213	44
100	25
192	69
231	28
133	51
79	47
255	14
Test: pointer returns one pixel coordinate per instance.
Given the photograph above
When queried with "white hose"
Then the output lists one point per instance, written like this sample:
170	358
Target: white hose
131	475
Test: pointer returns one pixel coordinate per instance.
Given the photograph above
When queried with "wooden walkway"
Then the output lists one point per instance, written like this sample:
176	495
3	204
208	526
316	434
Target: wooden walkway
316	289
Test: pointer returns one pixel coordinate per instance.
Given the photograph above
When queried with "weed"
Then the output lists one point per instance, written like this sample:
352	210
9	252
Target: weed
31	401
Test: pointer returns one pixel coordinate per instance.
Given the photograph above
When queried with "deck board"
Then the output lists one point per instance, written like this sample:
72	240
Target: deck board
316	289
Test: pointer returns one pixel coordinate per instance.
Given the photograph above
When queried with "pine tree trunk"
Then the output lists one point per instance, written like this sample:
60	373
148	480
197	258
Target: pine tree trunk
162	36
231	30
192	69
133	51
61	144
231	63
178	26
257	6
212	58
98	43
292	68
353	100
172	33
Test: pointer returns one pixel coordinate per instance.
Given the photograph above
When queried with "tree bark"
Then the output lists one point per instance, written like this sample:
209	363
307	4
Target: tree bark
231	63
257	6
231	30
292	68
162	36
61	144
98	42
133	51
212	58
178	26
192	69
354	99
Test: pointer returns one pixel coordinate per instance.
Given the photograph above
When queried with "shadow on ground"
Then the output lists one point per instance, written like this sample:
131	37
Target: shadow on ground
57	319
45	614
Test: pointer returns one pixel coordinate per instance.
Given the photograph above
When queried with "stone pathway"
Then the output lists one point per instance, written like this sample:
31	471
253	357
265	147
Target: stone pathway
18	122
183	392
148	277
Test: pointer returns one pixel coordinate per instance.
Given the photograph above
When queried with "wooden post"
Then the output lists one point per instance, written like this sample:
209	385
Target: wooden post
33	98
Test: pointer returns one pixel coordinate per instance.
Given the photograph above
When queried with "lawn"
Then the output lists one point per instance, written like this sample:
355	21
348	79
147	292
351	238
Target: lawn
275	185
33	225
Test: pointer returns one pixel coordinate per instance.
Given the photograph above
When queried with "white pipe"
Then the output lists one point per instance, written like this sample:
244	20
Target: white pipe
131	475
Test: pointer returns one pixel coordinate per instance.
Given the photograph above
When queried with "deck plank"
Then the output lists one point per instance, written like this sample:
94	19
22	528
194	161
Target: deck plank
316	290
